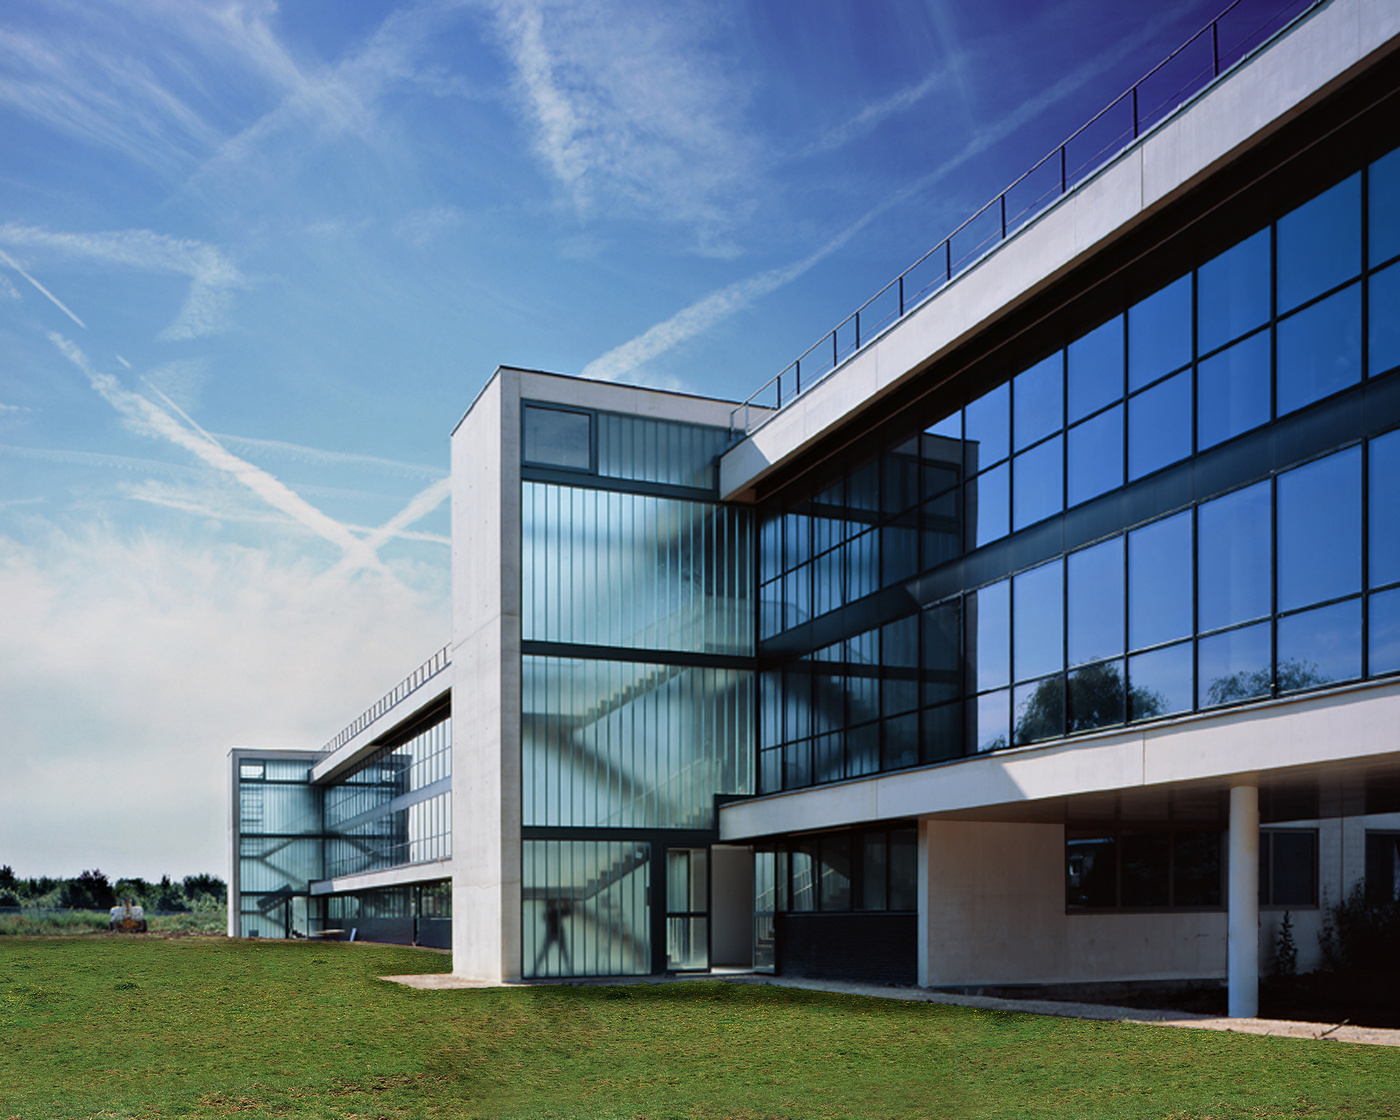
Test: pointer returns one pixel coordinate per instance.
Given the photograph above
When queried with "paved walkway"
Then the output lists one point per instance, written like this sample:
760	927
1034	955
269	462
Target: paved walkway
1335	1032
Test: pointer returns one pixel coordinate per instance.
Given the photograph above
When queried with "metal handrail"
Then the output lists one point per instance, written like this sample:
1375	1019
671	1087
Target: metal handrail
411	683
789	383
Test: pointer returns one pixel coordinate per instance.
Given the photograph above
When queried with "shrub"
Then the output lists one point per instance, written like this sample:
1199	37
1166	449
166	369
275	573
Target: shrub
1362	935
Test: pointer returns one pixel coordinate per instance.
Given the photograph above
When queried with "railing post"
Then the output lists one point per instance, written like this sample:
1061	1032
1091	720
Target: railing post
901	295
834	351
1064	177
797	375
857	330
948	255
1002	200
1215	45
1135	113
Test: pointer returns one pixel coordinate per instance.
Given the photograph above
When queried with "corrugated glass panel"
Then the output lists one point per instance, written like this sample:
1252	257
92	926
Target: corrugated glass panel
584	908
647	450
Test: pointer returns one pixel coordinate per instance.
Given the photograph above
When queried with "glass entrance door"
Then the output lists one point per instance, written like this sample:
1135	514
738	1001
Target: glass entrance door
687	909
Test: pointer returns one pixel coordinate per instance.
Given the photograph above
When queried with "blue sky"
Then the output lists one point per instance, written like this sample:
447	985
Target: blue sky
257	259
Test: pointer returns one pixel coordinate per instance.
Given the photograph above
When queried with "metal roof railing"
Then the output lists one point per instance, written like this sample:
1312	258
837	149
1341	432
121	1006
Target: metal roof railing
410	684
1199	61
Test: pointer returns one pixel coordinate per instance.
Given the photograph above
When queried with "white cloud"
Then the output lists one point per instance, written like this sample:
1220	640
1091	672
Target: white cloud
633	111
423	227
130	663
7	289
9	260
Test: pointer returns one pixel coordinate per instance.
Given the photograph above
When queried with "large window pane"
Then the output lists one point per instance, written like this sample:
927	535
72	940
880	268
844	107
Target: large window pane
990	656
1384	188
988	421
1040	401
1160	683
558	438
1159	333
1096	369
1159	426
1320	646
1319	350
1384	344
1040	710
1383	631
1232	293
1095	592
1234	579
989	719
1096	456
1159	582
1144	868
1232	391
1319	244
1038	619
1091	878
1038	484
1319	530
1096	696
1235	665
988	506
942	660
1384	520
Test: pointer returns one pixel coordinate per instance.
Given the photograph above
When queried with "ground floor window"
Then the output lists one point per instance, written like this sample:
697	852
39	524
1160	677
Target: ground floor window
1143	869
1382	866
1287	867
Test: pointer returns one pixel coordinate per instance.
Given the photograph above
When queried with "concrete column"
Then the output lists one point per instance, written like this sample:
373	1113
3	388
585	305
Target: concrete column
925	863
1244	898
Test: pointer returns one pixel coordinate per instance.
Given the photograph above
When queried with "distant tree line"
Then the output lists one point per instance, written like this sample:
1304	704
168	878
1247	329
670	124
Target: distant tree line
92	890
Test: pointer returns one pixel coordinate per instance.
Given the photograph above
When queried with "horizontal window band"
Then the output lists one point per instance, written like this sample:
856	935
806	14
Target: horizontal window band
575	652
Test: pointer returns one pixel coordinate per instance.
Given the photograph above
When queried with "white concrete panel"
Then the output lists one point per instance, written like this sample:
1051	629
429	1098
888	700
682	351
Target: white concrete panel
431	872
628	400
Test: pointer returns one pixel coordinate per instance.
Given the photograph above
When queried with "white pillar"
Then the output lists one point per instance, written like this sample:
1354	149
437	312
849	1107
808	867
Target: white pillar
925	863
1243	877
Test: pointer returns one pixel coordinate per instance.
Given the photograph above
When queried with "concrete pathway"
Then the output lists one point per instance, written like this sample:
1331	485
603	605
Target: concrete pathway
1334	1032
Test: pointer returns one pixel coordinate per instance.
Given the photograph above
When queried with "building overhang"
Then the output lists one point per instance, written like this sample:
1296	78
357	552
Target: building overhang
406	875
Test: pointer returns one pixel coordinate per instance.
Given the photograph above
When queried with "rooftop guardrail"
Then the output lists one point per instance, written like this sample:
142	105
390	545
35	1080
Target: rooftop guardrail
1202	59
410	684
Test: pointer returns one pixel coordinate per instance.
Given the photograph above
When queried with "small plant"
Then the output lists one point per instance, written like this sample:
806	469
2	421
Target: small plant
1285	950
1362	934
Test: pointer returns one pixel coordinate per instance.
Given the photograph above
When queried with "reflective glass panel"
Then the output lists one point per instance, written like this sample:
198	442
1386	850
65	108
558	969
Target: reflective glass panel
1234	582
988	506
942	642
1235	665
1232	293
990	630
1319	646
584	908
1096	696
1384	344
1383	631
990	722
1159	333
1095	364
1159	425
1384	521
558	438
1319	244
1144	868
1040	401
1319	530
1091	873
1232	391
1096	456
1038	618
988	421
1159	582
942	732
1196	869
1160	682
1095	590
1037	476
1040	710
835	888
1319	350
874	867
1384	189
904	869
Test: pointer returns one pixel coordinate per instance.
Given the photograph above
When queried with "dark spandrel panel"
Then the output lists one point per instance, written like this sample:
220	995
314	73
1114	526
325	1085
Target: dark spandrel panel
1095	589
1319	244
1232	293
1159	426
1038	483
1039	621
1091	873
1384	344
558	438
989	721
942	732
1319	530
1293	867
1232	391
1234	583
1319	350
1039	395
901	742
1384	522
1159	334
1095	369
1160	683
1040	710
1145	868
989	630
1320	646
988	423
1383	631
1096	696
1096	456
988	506
1196	869
1235	666
1384	191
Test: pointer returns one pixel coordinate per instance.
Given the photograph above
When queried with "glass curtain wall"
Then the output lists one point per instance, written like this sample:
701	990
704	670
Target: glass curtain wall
279	846
914	605
637	682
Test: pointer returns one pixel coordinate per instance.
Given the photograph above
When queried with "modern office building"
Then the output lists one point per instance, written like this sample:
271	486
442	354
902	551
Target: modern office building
1050	635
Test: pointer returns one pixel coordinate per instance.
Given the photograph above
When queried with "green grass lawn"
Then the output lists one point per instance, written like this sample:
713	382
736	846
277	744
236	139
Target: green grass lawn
104	1026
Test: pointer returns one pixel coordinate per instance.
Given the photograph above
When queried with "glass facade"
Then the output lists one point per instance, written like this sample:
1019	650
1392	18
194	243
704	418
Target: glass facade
636	689
279	846
1187	505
